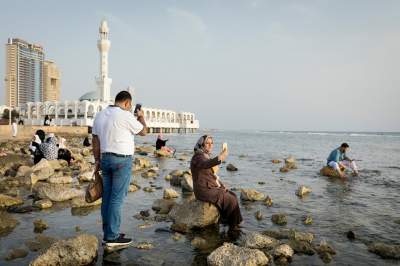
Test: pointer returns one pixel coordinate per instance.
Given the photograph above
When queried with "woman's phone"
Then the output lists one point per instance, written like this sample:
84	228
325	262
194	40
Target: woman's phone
137	108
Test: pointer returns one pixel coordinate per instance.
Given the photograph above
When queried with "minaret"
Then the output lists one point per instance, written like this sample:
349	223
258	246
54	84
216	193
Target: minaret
103	81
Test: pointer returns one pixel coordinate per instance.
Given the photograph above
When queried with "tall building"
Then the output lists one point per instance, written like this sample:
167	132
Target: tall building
51	88
24	72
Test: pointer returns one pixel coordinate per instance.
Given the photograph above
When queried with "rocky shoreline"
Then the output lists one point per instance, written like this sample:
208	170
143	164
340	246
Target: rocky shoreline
26	188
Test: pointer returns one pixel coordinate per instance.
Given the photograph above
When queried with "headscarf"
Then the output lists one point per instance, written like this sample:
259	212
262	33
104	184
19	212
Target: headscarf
199	147
159	136
50	149
41	135
37	140
61	143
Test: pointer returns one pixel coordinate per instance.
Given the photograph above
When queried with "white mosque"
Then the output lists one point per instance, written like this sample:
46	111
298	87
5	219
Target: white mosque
83	111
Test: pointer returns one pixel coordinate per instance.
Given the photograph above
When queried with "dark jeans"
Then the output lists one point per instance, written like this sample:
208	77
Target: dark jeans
116	173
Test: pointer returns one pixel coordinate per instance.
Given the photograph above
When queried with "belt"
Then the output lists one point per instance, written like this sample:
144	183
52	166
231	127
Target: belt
116	154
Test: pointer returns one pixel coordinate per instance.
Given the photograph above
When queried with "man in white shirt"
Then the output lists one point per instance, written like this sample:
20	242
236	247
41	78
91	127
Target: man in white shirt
113	148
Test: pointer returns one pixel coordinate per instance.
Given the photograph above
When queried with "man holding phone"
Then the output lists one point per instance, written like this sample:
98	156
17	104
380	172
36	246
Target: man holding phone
113	149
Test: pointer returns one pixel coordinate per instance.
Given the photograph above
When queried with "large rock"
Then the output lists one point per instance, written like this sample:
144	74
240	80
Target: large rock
150	173
24	170
43	204
301	247
7	201
279	219
81	250
60	180
283	251
41	242
302	191
251	195
58	164
187	183
163	206
16	254
385	251
56	192
41	171
329	171
170	193
80	202
301	236
193	214
86	176
142	163
7	224
257	241
230	255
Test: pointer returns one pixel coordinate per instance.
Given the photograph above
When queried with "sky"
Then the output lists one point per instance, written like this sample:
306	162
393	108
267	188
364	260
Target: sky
237	64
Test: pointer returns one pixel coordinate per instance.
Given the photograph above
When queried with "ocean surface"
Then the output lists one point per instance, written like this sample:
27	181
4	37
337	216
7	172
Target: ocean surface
369	204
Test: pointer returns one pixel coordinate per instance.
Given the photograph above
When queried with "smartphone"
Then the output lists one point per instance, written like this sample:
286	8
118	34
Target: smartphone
137	108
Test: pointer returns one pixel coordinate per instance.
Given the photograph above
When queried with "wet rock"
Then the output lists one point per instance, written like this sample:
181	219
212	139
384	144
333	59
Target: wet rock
78	228
200	243
279	219
41	171
302	191
301	236
162	153
268	201
278	234
307	220
60	180
284	169
259	216
22	209
56	192
151	173
178	173
144	245
169	193
16	253
7	201
251	195
193	214
142	163
80	250
145	149
86	176
397	221
40	242
80	202
145	213
183	158
290	163
39	226
163	206
7	224
325	252
258	241
231	167
301	247
230	255
350	235
168	177
283	250
275	161
329	171
385	251
149	189
133	188
177	236
43	204
187	183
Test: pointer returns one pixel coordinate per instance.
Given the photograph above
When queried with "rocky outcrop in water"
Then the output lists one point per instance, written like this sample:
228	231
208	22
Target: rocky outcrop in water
302	191
279	219
230	255
230	167
7	224
56	192
251	195
41	171
7	201
169	193
329	172
258	241
80	250
163	206
385	251
193	214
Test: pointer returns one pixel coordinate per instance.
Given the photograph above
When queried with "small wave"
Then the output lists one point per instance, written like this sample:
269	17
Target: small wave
393	167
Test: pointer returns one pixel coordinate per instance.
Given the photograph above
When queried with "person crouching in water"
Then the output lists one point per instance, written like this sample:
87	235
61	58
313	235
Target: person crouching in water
207	186
338	160
160	145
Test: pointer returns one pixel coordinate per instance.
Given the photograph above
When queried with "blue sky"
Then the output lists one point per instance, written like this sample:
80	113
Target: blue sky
261	64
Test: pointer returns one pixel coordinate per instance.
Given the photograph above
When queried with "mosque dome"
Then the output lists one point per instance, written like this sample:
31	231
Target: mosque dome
90	96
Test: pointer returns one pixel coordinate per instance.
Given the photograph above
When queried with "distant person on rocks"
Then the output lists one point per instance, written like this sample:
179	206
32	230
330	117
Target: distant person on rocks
49	148
113	148
88	139
161	145
14	127
339	161
47	120
207	186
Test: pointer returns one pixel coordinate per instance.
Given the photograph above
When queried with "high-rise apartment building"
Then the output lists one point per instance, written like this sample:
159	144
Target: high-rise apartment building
24	78
51	88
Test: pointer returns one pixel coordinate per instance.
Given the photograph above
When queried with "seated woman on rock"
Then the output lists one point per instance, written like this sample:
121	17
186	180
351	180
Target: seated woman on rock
34	146
63	152
49	148
207	186
161	145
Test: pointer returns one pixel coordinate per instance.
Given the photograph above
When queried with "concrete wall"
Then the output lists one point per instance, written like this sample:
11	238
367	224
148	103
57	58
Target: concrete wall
28	131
